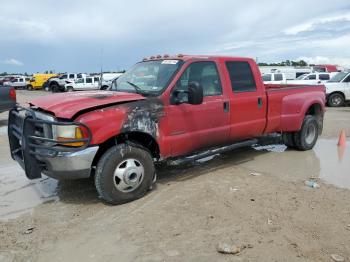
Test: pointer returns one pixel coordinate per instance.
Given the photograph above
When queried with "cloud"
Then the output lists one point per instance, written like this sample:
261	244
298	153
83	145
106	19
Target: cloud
313	24
69	35
13	62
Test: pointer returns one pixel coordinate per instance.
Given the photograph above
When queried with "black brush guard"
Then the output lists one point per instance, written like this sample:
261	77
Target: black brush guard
29	143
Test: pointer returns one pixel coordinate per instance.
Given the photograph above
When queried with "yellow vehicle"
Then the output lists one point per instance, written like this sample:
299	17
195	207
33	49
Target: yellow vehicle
37	81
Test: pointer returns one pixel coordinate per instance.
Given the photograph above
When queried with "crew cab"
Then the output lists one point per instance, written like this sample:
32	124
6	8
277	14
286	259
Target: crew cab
312	79
338	89
18	82
274	78
87	83
165	108
57	84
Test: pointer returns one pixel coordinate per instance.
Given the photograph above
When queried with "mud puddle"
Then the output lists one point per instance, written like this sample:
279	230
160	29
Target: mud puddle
326	161
19	195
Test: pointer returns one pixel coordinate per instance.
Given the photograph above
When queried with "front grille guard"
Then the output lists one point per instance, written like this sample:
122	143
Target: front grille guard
26	145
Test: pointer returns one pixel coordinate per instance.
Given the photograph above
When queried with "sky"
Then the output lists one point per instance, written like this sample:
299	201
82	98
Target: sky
85	35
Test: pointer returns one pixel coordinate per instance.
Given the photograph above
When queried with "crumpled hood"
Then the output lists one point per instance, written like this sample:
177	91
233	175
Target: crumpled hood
66	105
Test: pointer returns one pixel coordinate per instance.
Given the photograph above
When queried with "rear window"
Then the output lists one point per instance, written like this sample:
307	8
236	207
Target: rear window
278	77
241	75
266	77
324	76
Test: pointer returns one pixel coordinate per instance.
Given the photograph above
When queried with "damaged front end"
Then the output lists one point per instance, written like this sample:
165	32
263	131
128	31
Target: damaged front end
36	146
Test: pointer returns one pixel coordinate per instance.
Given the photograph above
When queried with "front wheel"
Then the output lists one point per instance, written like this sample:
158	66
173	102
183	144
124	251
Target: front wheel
70	89
306	137
336	100
124	173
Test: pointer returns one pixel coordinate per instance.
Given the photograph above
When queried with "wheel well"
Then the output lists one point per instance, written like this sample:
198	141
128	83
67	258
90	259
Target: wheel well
53	83
337	92
316	110
143	139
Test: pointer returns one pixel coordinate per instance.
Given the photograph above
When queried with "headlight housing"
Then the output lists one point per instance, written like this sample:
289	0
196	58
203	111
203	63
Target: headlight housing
65	133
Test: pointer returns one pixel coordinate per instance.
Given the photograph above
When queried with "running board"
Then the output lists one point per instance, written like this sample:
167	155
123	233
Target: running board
210	152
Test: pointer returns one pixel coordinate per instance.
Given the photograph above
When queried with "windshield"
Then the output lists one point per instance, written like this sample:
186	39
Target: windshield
301	77
338	77
149	77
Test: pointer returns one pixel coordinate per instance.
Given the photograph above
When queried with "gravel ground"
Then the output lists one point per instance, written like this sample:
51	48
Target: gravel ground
271	215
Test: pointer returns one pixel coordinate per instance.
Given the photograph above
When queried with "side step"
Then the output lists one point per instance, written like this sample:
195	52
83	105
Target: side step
210	152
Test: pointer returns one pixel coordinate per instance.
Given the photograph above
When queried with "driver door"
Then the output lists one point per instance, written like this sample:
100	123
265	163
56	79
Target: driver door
193	127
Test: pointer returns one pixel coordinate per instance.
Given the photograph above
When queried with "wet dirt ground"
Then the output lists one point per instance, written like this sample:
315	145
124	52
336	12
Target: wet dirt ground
254	197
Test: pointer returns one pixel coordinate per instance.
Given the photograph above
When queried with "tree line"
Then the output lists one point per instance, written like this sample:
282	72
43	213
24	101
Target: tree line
286	63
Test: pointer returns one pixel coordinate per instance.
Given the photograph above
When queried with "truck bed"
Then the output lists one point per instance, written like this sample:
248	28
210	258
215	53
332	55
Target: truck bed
286	104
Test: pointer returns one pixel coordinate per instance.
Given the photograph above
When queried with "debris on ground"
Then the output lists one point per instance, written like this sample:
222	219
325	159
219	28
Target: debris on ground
28	230
233	189
337	258
311	183
255	174
225	248
269	221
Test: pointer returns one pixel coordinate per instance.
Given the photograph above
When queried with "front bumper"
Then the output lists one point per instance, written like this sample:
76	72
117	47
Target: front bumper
33	147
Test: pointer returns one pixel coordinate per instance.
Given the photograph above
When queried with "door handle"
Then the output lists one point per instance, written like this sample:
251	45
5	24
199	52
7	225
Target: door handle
226	106
260	102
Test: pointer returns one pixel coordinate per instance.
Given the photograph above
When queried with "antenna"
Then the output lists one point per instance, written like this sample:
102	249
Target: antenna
101	65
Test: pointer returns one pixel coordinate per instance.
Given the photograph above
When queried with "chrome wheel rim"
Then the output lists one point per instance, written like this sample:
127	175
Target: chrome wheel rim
128	175
310	134
336	100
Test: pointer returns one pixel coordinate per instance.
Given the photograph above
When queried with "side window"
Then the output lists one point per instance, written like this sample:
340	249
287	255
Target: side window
278	77
15	80
96	79
311	77
206	74
20	79
266	77
323	76
71	76
88	80
241	75
347	79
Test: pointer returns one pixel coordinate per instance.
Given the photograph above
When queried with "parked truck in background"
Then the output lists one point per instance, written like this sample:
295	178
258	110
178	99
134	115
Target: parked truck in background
162	109
37	81
87	83
58	84
19	82
274	78
7	98
312	79
338	89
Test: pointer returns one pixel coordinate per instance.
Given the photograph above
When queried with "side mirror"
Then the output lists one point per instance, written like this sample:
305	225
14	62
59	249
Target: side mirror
195	93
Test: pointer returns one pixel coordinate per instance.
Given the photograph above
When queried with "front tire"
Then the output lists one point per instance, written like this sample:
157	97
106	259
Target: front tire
306	137
336	100
124	173
70	89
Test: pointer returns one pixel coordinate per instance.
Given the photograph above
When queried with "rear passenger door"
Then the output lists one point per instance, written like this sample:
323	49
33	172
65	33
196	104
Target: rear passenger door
248	100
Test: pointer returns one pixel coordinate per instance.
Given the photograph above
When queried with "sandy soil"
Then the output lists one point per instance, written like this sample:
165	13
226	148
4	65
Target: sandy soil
191	210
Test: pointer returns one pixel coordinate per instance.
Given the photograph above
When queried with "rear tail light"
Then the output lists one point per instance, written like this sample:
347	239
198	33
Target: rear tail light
13	94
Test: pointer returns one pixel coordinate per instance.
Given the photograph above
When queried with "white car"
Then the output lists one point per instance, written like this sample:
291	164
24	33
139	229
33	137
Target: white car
311	79
274	78
86	83
338	89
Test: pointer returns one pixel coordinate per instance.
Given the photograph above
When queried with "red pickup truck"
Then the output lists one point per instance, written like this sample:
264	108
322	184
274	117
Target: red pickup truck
163	108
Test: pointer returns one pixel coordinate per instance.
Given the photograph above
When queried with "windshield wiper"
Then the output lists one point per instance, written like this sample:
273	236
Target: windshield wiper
137	89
